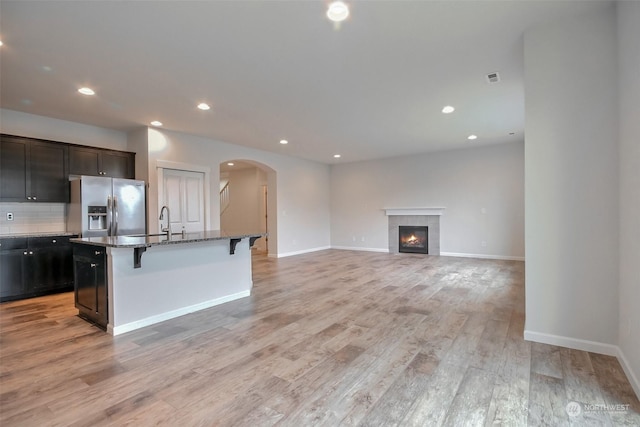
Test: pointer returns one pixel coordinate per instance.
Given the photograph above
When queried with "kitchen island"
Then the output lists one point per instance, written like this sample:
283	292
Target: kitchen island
152	278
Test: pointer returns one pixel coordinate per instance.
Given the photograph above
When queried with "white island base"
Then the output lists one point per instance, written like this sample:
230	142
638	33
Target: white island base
174	280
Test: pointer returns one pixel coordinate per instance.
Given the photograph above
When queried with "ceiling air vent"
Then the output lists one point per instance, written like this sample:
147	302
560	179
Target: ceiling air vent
493	77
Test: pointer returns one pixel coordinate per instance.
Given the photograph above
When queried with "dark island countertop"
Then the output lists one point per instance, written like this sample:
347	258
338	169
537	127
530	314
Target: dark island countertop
43	234
148	240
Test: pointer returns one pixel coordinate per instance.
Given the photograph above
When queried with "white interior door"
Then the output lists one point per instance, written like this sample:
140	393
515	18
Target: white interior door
183	193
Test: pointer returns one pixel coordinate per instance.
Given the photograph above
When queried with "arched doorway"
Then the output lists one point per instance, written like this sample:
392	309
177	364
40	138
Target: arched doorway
248	200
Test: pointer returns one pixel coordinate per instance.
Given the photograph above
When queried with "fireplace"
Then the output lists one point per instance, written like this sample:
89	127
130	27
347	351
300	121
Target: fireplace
413	239
416	217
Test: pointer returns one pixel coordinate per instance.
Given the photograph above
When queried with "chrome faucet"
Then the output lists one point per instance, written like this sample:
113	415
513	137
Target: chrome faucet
168	229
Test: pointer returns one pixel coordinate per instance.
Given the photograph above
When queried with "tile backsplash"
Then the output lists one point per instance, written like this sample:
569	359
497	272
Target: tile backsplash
33	218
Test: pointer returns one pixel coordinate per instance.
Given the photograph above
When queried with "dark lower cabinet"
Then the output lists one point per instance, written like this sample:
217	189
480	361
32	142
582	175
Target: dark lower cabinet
52	263
90	272
12	269
35	266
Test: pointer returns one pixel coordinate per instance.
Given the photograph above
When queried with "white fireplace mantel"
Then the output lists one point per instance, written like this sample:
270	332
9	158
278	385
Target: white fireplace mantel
414	211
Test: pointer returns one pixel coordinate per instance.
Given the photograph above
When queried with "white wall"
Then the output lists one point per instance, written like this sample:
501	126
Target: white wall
302	195
571	182
466	182
137	141
246	208
24	124
629	93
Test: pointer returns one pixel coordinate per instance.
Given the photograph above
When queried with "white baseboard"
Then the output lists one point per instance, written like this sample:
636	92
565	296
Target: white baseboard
304	251
357	248
455	254
591	346
574	343
386	250
633	379
483	256
127	327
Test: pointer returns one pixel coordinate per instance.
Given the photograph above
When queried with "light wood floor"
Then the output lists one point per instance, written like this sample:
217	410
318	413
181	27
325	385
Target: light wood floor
329	338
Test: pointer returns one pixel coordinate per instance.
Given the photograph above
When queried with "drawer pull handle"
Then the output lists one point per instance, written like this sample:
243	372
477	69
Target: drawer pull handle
25	252
98	253
54	240
93	265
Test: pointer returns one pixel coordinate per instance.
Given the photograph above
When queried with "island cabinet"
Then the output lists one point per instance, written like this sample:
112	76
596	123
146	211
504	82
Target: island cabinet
91	293
101	162
33	170
153	278
34	266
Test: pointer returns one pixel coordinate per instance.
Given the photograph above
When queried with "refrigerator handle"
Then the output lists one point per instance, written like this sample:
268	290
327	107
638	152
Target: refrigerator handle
115	213
109	215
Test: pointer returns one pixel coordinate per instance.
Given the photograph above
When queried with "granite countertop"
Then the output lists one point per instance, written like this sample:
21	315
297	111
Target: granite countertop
145	241
48	234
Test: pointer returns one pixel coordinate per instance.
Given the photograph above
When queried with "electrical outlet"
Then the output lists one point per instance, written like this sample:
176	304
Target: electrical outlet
9	216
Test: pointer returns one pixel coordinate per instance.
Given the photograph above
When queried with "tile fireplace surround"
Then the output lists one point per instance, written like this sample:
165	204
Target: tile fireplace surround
415	216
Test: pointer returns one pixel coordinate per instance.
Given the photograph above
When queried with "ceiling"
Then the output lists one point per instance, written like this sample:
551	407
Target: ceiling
371	87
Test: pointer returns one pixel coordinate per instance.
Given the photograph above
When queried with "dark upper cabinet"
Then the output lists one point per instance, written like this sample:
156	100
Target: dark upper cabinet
118	165
33	170
100	162
13	169
49	172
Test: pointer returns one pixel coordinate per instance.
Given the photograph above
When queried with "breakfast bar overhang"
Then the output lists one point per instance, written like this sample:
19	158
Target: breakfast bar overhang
153	278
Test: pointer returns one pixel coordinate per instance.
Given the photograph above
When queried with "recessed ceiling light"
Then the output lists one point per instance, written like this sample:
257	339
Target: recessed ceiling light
156	123
448	109
1	43
284	142
203	106
230	164
338	11
472	137
337	156
86	91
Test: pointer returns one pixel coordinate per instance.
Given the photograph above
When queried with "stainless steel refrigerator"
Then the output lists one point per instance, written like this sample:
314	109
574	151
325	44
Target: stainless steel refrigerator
102	206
